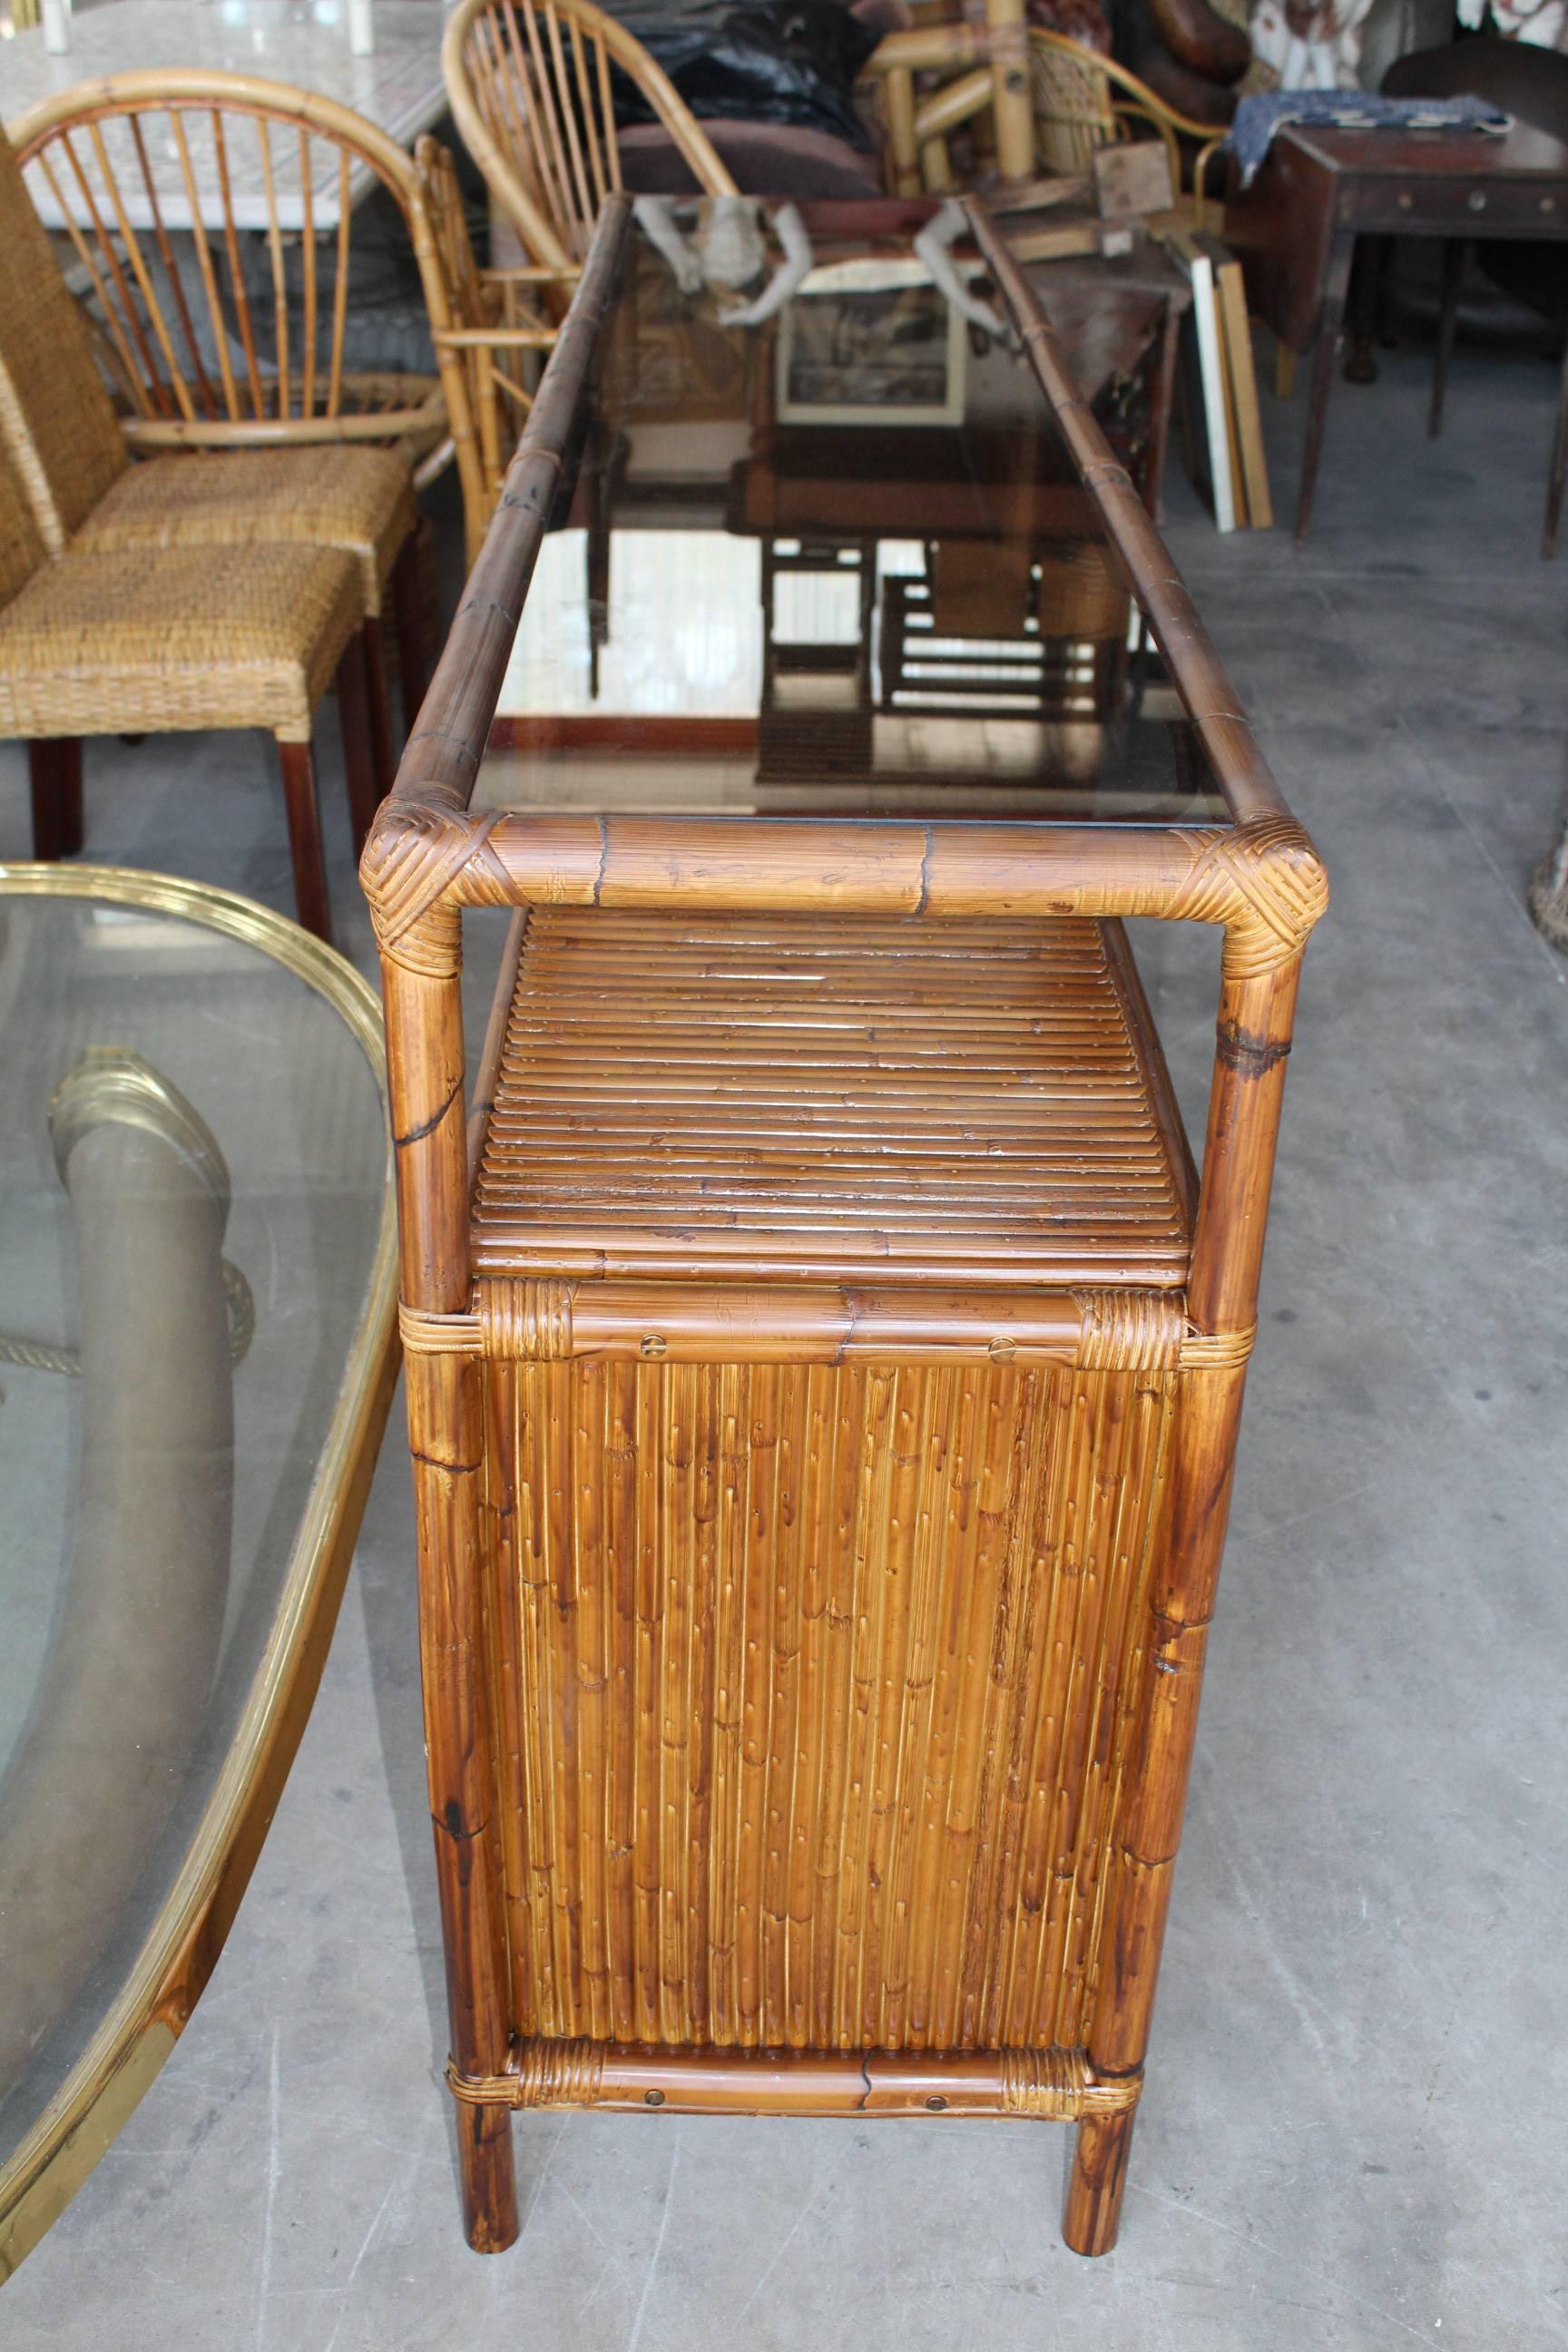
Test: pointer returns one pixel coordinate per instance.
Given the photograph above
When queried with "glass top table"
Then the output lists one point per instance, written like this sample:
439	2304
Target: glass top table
196	1357
841	561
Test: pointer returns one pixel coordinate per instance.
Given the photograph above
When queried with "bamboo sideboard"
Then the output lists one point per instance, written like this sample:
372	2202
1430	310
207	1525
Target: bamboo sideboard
824	1368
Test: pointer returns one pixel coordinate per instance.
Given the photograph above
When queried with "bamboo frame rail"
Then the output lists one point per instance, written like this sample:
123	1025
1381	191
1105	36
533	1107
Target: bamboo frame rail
562	1987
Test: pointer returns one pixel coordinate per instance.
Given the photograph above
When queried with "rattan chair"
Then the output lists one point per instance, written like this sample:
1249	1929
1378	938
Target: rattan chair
1084	101
205	359
160	640
530	82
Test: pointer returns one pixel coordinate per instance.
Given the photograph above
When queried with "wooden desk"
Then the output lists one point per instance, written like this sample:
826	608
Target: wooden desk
1295	231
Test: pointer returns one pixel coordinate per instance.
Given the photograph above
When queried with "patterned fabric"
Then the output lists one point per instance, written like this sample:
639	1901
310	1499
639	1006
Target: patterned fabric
1258	118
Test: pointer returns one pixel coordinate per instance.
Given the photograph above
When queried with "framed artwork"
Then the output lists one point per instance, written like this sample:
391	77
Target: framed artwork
887	355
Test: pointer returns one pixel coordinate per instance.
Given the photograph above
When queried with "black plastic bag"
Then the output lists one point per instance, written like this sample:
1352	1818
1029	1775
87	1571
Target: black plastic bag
789	61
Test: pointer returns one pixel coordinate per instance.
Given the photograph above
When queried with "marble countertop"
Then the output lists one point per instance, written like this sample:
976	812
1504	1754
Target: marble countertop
302	42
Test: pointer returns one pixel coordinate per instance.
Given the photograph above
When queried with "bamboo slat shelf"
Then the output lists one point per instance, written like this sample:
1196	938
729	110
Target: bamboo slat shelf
823	1372
828	1100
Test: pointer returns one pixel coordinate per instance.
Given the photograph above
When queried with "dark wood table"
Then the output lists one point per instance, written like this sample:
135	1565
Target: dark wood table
1295	231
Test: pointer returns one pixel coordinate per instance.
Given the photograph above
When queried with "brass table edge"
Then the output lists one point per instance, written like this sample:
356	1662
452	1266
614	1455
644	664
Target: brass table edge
123	2056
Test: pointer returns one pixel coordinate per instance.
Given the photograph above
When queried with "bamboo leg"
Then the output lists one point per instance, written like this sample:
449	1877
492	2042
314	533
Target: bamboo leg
305	844
489	2177
903	158
1014	106
409	611
1095	2178
1284	371
54	776
1254	1040
384	756
353	717
446	1433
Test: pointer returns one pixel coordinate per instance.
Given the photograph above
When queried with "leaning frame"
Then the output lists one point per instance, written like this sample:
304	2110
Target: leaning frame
428	858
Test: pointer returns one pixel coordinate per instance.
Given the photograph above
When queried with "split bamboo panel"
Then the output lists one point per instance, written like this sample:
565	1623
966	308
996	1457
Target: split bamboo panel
816	1692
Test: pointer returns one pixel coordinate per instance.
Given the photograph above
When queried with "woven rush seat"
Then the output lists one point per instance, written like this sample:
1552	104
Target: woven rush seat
361	500
161	639
829	1099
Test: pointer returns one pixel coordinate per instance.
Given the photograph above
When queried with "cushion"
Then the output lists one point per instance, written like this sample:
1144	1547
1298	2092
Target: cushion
763	159
155	640
324	495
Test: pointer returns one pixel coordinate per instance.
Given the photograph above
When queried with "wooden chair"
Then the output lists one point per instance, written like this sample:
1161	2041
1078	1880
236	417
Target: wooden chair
530	82
160	640
1005	629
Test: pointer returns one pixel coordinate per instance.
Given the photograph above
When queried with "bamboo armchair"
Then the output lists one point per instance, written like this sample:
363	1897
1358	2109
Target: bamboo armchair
530	82
824	1370
1078	102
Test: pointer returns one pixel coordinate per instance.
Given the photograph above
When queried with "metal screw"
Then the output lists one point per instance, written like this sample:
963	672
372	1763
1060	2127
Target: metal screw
936	2105
1476	201
652	1344
1001	1351
653	2098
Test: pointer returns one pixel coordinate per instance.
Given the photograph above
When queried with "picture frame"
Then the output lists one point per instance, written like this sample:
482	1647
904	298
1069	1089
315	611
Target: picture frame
890	352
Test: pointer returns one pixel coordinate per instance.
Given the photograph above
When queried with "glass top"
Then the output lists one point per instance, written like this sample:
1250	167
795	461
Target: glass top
194	1269
840	562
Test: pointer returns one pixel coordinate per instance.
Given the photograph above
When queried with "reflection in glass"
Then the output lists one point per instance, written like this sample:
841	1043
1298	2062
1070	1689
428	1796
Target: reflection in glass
840	563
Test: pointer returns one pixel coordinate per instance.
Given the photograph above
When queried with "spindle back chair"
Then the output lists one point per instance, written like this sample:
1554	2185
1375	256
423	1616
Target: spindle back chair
531	86
212	218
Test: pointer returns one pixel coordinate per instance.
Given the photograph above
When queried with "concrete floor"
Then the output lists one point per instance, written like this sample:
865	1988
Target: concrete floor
1354	2130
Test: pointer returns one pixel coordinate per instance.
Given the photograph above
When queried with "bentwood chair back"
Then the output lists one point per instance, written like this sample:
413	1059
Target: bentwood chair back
218	227
531	85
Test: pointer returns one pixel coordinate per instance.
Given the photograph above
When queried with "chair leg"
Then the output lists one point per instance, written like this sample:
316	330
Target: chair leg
383	755
54	776
359	745
1455	253
305	844
408	611
1097	2175
1559	464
